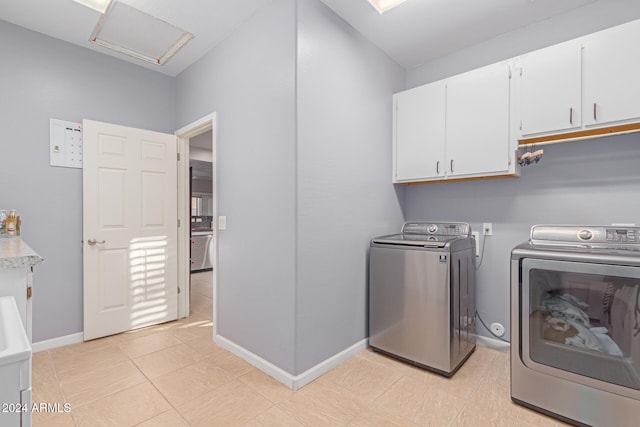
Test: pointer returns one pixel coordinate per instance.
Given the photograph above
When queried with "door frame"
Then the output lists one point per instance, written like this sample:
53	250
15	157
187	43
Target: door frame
204	124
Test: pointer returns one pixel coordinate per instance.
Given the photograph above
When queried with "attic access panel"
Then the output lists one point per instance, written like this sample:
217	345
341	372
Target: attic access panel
133	32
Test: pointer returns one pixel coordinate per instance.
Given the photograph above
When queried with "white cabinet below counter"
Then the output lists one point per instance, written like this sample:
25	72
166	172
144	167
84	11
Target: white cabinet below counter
16	276
15	368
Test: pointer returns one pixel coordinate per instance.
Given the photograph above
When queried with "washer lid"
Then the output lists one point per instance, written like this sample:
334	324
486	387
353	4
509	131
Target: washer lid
413	240
426	234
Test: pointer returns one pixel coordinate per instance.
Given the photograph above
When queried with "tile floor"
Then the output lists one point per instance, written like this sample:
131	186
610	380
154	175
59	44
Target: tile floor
174	375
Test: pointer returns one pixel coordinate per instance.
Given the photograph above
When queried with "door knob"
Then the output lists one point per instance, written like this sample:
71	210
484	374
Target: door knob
92	242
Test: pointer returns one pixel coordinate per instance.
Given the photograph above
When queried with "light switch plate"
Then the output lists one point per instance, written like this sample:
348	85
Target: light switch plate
222	223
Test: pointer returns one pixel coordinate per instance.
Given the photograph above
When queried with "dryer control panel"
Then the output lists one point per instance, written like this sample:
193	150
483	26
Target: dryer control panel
593	236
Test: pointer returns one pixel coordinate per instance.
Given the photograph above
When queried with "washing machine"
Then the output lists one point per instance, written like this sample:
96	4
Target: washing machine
575	324
422	295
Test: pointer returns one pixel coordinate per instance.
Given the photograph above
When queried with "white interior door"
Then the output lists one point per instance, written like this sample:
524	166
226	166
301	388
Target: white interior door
129	228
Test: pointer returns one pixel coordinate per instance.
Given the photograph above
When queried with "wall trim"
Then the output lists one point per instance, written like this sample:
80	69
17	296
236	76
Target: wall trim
493	343
328	364
294	382
57	342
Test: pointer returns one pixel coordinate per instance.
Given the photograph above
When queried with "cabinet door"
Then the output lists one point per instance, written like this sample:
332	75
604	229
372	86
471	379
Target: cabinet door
551	82
478	122
611	73
419	132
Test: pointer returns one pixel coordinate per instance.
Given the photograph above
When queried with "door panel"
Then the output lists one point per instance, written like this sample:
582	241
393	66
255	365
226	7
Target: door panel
129	227
552	89
420	133
478	108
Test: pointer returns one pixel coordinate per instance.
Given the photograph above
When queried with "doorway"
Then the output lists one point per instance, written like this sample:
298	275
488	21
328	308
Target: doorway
197	149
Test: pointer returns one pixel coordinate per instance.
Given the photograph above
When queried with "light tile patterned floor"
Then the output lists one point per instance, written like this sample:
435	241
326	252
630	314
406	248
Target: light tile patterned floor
174	375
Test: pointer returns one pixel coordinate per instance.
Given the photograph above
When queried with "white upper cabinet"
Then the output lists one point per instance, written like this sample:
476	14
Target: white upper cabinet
455	128
419	133
468	125
478	122
551	89
611	75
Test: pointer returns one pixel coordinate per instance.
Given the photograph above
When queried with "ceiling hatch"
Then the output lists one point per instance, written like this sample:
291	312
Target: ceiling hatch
133	32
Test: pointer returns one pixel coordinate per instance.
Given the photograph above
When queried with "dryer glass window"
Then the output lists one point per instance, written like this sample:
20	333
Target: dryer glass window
585	320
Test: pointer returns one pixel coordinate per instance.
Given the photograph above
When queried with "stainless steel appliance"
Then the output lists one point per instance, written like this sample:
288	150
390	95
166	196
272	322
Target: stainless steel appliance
422	295
200	250
575	315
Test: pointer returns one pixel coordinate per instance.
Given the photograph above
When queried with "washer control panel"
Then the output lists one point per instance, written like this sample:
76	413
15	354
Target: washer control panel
452	229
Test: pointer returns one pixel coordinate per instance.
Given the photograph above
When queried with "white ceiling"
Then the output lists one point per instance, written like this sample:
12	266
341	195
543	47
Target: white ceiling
421	30
412	34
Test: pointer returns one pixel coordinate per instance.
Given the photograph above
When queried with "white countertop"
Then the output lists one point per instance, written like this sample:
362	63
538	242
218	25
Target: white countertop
15	253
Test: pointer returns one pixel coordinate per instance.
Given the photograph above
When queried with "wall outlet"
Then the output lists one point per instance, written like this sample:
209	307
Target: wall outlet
487	229
497	329
476	236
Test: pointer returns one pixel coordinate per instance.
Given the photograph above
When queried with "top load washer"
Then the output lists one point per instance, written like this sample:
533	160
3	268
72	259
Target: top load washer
422	295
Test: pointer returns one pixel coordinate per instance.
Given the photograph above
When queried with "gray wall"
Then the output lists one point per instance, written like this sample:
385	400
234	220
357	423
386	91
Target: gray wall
303	155
43	78
345	195
588	182
249	81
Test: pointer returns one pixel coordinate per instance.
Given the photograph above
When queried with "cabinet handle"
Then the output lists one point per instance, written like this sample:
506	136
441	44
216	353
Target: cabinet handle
595	112
451	165
438	167
571	115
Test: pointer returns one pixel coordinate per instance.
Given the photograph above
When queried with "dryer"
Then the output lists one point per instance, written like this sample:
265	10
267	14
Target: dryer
575	316
422	295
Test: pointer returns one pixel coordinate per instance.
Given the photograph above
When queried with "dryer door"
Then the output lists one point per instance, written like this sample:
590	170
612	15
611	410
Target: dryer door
581	321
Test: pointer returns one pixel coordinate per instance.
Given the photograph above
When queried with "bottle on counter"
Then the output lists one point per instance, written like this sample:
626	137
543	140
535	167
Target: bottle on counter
3	223
12	223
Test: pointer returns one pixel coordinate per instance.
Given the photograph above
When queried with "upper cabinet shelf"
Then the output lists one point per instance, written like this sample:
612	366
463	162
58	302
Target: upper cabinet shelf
551	89
610	75
457	128
583	88
470	125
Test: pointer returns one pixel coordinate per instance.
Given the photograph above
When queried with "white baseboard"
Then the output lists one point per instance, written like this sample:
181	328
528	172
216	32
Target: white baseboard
294	382
325	366
57	342
493	343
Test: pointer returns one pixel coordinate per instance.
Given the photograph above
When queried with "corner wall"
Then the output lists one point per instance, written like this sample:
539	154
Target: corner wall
249	81
304	177
344	196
